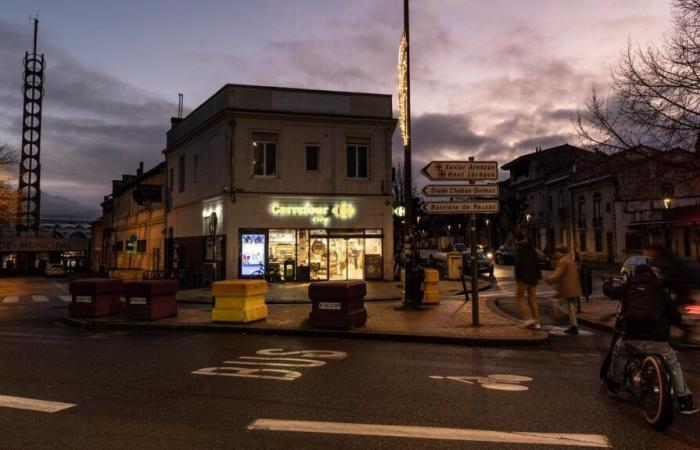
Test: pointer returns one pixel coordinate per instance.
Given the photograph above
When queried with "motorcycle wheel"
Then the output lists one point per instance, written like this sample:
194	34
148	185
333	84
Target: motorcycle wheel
656	398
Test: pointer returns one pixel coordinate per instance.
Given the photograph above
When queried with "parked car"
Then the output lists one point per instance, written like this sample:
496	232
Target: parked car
544	259
627	270
54	270
483	264
461	247
503	255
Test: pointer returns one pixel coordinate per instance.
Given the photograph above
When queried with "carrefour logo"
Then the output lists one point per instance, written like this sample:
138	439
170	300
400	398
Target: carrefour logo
319	214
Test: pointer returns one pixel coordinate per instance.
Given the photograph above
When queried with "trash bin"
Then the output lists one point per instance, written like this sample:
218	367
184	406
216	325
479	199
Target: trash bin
454	265
586	277
338	304
289	269
95	297
150	299
414	287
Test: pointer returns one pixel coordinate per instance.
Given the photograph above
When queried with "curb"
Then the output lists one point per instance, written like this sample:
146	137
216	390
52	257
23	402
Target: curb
92	324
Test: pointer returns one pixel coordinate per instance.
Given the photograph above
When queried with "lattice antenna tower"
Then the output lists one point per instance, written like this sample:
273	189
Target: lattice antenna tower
29	206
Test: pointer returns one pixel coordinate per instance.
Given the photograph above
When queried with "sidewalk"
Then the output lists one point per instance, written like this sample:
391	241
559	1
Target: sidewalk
282	293
447	322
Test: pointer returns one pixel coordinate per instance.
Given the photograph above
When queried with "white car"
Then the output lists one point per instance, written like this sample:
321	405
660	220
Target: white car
54	270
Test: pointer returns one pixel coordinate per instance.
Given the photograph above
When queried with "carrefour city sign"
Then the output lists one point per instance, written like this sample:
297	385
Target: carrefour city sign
319	214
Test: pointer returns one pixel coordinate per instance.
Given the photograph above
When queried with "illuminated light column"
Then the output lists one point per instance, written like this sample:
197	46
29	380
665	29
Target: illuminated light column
404	88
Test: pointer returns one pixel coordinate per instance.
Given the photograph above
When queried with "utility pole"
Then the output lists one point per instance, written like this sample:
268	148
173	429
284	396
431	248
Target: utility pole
408	195
474	267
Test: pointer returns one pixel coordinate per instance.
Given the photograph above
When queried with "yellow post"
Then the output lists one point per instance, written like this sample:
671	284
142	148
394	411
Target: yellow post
239	301
431	294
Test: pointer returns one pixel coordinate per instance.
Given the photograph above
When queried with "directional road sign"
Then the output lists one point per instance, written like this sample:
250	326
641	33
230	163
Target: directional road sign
461	190
461	170
483	207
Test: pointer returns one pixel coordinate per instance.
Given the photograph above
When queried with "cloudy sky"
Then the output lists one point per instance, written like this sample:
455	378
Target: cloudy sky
490	78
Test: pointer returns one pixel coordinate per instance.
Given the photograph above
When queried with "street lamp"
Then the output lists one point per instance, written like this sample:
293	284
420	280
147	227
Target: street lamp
528	216
667	202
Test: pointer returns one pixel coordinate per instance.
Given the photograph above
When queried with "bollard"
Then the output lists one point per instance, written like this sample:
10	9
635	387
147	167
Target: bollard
431	292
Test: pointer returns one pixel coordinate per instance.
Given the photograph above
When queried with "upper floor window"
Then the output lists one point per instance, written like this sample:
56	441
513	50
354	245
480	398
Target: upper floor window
357	157
313	158
196	168
265	155
581	212
172	179
181	175
596	206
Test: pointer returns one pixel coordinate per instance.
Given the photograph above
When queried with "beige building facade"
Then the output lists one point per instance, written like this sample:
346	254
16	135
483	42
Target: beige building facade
290	184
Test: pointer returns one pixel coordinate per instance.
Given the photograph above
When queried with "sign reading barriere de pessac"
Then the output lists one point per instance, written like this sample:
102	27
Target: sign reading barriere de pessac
461	170
461	207
461	190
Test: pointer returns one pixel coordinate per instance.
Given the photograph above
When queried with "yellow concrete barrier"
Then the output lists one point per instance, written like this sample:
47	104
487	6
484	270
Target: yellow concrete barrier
431	293
126	274
239	301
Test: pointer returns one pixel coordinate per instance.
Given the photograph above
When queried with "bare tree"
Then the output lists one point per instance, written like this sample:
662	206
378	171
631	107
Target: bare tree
8	195
397	185
655	98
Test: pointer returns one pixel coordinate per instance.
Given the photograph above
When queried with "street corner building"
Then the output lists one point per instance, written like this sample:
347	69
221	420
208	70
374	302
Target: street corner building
289	184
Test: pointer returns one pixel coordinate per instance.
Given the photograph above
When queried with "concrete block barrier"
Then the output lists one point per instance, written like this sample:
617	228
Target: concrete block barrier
95	297
239	301
150	299
338	304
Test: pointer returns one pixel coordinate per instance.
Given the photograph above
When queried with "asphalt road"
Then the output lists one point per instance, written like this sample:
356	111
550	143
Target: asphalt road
138	390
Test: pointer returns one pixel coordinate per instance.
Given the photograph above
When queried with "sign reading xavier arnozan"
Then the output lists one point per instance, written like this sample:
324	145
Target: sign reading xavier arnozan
19	244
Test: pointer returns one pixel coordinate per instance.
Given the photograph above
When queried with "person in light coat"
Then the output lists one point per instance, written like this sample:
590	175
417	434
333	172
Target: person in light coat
567	283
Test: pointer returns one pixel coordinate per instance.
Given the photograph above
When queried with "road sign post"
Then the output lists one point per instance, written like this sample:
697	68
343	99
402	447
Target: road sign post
472	204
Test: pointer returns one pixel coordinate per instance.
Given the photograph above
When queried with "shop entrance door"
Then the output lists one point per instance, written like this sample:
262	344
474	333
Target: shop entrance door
356	259
338	258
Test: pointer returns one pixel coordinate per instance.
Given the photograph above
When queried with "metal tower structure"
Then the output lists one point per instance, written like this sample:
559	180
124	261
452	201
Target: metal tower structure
28	209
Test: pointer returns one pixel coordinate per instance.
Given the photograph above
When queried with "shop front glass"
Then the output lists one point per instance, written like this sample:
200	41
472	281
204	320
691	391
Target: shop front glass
316	254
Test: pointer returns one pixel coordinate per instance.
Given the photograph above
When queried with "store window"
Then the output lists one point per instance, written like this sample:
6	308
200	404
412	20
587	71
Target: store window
252	254
303	269
357	160
281	253
582	241
318	257
264	155
312	158
373	258
598	237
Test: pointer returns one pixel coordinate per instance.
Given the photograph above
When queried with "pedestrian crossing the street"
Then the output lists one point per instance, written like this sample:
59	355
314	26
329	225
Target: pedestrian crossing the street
32	299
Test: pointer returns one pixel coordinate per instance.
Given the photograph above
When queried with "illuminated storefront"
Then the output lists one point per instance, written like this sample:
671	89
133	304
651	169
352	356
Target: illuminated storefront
311	239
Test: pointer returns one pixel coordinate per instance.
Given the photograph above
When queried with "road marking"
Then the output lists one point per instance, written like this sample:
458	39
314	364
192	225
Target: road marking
11	299
250	372
66	298
284	362
498	382
33	404
413	432
40	298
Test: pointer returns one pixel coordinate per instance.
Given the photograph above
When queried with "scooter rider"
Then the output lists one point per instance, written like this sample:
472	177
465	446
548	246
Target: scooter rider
647	313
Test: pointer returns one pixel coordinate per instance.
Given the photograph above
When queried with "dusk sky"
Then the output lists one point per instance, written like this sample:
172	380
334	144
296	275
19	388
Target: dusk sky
490	79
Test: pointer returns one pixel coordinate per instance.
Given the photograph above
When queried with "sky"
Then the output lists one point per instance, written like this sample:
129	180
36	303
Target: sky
491	79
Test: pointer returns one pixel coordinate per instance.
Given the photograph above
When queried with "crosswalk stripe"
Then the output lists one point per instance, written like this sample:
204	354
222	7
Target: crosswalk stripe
452	434
66	298
40	298
31	404
11	299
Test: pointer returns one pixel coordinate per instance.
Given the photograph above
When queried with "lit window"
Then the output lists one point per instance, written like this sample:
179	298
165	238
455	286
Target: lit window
264	158
312	158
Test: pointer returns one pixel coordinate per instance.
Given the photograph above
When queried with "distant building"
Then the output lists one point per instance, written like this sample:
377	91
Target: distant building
606	208
131	232
292	183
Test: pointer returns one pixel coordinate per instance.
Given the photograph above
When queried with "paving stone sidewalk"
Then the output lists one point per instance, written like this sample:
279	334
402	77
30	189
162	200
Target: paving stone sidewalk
298	292
447	322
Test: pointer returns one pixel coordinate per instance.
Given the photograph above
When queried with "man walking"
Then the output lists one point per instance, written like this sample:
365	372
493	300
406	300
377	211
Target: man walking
568	284
527	275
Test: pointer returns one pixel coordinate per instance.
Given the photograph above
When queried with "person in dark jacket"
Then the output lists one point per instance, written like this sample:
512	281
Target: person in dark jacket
647	313
527	275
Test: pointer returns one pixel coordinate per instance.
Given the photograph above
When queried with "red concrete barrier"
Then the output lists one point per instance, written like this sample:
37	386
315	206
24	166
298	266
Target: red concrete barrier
150	299
338	304
95	297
